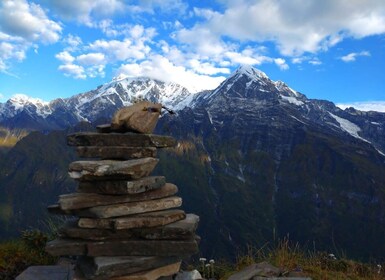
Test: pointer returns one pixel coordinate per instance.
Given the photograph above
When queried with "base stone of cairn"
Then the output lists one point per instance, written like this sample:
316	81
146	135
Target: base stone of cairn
128	226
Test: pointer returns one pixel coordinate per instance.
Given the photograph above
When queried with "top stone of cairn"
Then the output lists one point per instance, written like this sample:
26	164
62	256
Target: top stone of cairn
140	117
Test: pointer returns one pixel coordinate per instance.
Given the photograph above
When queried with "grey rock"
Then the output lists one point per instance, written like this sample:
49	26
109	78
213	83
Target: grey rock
141	117
182	229
121	186
154	274
188	275
120	139
87	200
165	248
111	169
49	272
115	152
130	208
66	247
102	267
151	219
263	269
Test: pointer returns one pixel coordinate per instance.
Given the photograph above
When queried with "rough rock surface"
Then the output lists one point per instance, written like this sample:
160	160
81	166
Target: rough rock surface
140	117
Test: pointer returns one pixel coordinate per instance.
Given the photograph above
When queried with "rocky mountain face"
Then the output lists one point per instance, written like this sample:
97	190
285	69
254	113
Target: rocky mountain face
29	113
256	161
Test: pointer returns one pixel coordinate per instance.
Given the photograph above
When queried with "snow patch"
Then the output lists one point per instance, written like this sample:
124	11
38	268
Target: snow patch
297	119
292	100
241	176
251	72
281	86
210	117
21	101
348	126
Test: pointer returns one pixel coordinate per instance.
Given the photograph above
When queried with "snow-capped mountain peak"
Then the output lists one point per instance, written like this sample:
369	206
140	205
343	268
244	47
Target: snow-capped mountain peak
120	77
20	100
250	71
121	91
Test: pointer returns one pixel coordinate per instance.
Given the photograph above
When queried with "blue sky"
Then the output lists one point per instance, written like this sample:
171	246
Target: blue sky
329	49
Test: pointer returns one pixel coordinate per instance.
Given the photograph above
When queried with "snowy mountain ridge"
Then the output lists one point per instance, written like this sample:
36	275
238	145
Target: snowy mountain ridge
121	91
249	88
253	92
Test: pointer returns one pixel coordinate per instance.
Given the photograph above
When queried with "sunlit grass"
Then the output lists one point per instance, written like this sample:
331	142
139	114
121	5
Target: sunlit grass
291	257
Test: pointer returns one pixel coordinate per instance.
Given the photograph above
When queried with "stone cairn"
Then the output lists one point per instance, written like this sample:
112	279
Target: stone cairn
127	226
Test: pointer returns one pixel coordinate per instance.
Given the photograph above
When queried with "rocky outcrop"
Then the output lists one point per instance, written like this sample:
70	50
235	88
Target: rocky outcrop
128	226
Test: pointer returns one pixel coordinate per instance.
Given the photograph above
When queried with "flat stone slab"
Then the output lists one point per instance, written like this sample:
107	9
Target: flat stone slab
154	274
182	229
111	169
66	247
48	272
101	267
165	248
120	139
72	230
151	219
86	200
122	187
129	208
162	248
56	210
115	152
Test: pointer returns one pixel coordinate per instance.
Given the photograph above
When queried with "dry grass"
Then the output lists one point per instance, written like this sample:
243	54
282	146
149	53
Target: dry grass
291	257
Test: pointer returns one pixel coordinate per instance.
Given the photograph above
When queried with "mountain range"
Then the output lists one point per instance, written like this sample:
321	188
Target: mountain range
24	112
255	159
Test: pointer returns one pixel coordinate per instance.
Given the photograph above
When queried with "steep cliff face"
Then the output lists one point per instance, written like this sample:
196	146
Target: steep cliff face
256	160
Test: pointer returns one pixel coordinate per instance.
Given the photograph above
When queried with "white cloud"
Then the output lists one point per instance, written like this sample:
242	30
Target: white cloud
2	97
73	70
166	6
91	59
315	61
86	65
206	68
281	63
20	19
23	25
126	30
159	67
86	11
95	13
378	106
117	50
73	42
202	41
65	57
245	58
295	26
95	71
352	56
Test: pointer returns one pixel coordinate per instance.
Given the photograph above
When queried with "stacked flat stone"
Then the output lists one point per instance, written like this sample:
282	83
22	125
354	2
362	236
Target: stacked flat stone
128	225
